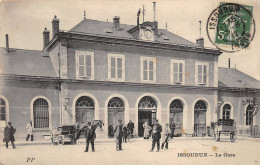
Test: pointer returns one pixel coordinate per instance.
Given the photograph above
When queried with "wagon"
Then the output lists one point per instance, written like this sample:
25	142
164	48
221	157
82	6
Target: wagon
64	134
225	127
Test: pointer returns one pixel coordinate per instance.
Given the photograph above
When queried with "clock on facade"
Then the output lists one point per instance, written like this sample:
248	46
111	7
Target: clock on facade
148	34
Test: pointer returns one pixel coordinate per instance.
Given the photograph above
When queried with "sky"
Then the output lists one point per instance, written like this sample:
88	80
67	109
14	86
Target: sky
25	20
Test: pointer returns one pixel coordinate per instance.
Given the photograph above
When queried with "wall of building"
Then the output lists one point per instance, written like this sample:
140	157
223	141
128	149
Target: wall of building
132	62
235	99
131	95
20	95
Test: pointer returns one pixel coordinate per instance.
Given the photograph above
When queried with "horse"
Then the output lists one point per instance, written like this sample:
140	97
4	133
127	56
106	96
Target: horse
80	127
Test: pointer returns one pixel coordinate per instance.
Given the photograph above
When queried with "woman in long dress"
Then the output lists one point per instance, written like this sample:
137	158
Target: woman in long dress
147	129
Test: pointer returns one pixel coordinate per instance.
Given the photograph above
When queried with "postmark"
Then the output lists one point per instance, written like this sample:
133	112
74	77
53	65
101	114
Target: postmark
231	27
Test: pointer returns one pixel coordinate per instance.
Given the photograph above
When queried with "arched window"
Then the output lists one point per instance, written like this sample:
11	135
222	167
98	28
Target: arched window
226	111
116	109
176	109
84	109
41	113
147	103
116	103
2	110
200	110
249	115
200	105
176	115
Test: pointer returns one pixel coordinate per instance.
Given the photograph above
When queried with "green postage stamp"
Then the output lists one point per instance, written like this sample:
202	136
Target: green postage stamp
231	27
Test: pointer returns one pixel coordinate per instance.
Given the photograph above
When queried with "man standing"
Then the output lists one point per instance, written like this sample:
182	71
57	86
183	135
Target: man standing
131	126
29	129
156	135
118	134
167	135
90	136
172	127
9	135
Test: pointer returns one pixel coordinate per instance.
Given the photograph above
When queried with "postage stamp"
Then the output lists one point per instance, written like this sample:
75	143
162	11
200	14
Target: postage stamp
231	27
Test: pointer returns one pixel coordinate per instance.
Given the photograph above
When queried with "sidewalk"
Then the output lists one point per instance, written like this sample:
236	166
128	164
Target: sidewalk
109	140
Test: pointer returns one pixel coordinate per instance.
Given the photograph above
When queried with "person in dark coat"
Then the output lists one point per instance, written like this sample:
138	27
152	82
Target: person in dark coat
125	134
131	126
156	135
90	136
9	135
172	127
119	134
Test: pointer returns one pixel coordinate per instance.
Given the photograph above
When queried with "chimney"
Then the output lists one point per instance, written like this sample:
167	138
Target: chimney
138	16
46	37
156	28
7	43
116	22
228	62
55	26
200	42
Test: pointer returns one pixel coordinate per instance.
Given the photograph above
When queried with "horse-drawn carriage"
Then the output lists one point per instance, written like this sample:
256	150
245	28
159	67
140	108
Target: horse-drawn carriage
64	134
71	133
225	127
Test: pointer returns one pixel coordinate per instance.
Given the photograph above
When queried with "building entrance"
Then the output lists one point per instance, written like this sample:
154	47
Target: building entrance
147	109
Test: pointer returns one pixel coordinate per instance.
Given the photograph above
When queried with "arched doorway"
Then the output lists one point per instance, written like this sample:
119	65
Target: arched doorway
226	112
85	107
147	108
176	115
200	110
116	109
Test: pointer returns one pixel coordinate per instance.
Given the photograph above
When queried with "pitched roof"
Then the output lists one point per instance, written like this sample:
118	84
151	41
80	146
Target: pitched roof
106	28
230	77
25	62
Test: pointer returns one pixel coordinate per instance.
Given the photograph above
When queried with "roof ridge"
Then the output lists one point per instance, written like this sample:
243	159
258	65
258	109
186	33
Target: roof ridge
77	25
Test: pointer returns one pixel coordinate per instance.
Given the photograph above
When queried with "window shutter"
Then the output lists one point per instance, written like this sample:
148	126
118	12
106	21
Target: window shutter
205	73
145	70
175	72
151	70
113	68
119	68
199	74
88	66
180	72
81	65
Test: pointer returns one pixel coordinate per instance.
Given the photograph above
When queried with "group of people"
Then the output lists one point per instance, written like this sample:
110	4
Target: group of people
120	133
156	135
9	132
155	131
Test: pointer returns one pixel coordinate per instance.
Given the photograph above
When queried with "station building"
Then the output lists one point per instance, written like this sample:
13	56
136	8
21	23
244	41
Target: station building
109	71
